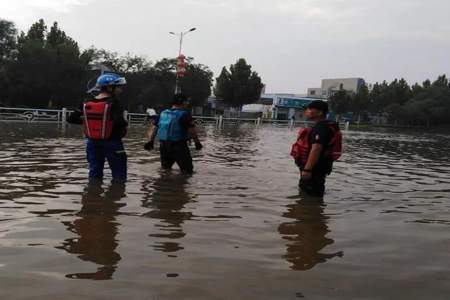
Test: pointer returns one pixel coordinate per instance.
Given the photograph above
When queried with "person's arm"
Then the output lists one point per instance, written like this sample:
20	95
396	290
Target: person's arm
188	123
194	135
320	138
151	134
152	131
76	117
118	114
313	158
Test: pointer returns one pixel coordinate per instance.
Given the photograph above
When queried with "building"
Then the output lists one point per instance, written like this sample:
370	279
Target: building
330	86
315	93
286	106
263	107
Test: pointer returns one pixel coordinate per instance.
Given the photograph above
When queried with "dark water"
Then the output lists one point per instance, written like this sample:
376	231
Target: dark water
237	229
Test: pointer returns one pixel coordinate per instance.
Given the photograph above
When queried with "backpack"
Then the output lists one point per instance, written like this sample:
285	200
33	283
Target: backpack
301	148
169	126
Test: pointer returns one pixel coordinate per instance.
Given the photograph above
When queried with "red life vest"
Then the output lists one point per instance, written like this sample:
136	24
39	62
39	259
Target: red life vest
97	120
301	148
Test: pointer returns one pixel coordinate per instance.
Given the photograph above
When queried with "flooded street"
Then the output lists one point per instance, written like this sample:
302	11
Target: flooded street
237	229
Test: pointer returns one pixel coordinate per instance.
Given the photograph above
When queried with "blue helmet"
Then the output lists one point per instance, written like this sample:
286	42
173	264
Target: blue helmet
110	79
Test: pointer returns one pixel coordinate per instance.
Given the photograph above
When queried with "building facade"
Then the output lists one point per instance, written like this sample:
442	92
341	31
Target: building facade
331	86
287	106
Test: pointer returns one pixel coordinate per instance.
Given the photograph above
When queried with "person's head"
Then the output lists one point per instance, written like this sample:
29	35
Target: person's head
180	100
316	110
111	83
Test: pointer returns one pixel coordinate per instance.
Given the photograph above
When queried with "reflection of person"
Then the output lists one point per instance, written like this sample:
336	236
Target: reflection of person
96	229
104	123
167	198
174	128
306	235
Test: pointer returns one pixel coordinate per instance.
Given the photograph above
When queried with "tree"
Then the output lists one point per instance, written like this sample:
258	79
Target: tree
48	70
8	39
340	102
416	89
112	61
441	82
238	86
360	101
37	31
8	50
196	83
379	98
154	86
402	92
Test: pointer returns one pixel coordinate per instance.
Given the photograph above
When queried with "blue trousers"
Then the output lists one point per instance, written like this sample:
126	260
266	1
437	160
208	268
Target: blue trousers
111	150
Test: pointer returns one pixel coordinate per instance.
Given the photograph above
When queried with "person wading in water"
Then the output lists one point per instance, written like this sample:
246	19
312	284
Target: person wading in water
104	126
316	149
174	128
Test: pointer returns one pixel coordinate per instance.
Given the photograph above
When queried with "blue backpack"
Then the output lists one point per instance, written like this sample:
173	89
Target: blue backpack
169	126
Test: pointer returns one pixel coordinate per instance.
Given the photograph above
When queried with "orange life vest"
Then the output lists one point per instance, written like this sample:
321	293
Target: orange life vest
301	148
97	120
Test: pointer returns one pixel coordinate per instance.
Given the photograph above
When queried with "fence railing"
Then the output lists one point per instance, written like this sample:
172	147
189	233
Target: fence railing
60	116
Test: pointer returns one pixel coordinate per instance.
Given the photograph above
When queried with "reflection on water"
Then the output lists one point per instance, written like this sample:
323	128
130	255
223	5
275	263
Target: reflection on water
96	230
166	197
306	234
231	231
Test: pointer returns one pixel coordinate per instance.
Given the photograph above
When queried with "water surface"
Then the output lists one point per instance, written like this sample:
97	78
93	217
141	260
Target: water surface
237	229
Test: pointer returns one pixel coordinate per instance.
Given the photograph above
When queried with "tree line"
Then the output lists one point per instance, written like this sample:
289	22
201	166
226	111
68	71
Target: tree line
44	67
398	103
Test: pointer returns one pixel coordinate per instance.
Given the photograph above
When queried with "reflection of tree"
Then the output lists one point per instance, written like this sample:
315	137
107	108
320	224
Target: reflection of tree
96	229
306	235
167	198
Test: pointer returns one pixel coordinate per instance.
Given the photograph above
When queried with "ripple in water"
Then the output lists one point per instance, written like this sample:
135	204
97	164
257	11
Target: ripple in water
236	229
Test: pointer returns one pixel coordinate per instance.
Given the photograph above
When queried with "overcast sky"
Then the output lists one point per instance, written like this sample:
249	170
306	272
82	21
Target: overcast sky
292	44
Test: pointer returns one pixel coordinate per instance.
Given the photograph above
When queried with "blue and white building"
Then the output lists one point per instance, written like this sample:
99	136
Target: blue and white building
280	106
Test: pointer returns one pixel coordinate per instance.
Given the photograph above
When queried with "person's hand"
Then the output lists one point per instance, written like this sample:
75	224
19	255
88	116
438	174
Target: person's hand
149	145
198	145
306	175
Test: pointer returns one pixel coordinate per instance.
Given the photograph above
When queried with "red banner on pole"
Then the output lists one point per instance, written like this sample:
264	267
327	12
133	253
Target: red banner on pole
181	65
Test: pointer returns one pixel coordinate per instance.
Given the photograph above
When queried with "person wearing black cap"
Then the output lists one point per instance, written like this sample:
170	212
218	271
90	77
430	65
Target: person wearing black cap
174	128
318	164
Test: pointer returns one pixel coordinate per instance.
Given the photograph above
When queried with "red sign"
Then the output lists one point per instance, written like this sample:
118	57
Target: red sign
181	65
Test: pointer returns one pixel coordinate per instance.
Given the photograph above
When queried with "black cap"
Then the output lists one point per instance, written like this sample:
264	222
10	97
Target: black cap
319	105
179	98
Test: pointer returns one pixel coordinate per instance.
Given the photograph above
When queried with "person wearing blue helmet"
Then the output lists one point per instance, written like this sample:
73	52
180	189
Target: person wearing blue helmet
104	124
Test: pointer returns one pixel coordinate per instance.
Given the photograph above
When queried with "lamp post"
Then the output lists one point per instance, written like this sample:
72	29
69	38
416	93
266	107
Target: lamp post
180	58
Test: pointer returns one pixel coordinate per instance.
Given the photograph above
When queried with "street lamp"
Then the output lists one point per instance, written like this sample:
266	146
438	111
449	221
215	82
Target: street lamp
181	35
180	56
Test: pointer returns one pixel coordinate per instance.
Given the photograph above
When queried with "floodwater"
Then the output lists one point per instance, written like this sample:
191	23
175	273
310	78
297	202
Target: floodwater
237	229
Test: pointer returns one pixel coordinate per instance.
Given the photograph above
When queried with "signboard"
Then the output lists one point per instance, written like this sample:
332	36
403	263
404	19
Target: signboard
294	102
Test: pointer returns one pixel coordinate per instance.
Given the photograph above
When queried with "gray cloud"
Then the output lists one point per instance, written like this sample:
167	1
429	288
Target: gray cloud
291	43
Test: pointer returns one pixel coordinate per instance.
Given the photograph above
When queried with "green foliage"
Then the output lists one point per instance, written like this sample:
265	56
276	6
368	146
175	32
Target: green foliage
340	102
44	67
48	70
426	104
8	39
197	83
8	46
238	86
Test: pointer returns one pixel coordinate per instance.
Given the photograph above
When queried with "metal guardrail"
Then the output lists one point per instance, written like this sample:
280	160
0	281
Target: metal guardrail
31	114
60	116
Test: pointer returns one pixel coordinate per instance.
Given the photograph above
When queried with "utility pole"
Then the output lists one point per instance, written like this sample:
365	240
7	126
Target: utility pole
180	59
